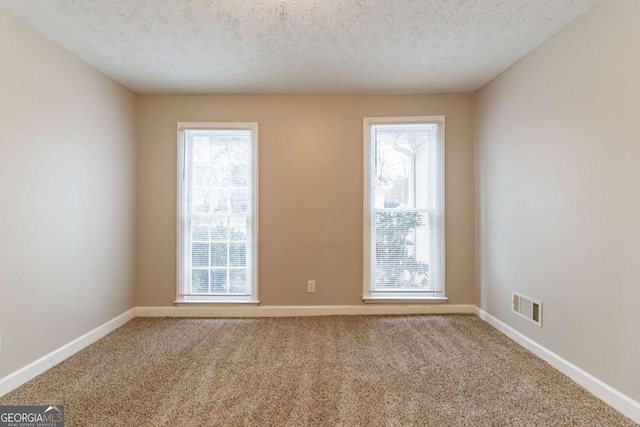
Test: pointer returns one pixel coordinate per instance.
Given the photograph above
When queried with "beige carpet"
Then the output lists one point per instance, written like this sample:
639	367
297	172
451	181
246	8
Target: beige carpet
320	371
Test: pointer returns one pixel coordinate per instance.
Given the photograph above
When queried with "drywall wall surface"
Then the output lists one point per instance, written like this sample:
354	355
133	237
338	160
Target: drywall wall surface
558	187
67	196
310	190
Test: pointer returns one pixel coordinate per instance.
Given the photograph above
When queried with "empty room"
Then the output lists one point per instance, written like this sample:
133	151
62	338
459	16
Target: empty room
319	213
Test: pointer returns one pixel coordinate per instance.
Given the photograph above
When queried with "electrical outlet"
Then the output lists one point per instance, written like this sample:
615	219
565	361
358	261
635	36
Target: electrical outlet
311	286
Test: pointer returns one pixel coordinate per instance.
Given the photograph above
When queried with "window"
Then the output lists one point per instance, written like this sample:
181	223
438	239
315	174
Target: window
217	212
404	208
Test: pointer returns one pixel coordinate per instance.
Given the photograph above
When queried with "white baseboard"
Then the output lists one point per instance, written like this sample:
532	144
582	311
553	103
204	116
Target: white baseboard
618	400
300	310
33	369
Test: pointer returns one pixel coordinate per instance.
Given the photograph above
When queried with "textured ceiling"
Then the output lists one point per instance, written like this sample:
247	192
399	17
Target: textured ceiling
299	46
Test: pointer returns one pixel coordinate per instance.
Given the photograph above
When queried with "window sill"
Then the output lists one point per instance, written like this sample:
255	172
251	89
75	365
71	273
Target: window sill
217	303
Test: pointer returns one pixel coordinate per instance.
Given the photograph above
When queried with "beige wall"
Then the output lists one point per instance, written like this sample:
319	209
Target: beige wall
310	190
67	189
559	202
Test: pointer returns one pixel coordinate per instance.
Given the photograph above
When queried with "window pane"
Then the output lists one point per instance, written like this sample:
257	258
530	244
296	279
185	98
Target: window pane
239	201
231	159
219	280
200	281
219	254
202	176
201	149
219	230
401	250
239	175
200	231
238	229
401	162
220	200
238	281
220	173
201	200
200	254
237	254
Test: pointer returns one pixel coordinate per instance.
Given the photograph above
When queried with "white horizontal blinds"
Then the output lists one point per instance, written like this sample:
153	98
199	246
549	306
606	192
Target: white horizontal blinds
217	213
407	208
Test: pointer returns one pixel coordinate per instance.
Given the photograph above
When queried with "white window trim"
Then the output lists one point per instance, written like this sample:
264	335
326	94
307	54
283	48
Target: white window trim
369	296
223	299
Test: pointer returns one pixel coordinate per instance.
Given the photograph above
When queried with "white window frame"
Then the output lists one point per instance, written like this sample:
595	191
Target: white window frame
437	219
183	219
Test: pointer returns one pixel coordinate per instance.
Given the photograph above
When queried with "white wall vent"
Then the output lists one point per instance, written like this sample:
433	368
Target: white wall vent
527	308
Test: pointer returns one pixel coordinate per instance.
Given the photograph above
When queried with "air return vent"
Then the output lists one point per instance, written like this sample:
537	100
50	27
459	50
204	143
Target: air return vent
527	308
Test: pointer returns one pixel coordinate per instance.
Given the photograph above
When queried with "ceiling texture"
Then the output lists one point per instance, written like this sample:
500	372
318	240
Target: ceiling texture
299	46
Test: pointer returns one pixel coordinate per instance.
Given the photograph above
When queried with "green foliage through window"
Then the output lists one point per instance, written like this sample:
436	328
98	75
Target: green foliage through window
396	263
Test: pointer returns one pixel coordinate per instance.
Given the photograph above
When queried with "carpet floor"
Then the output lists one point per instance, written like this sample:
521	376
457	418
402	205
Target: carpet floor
312	371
